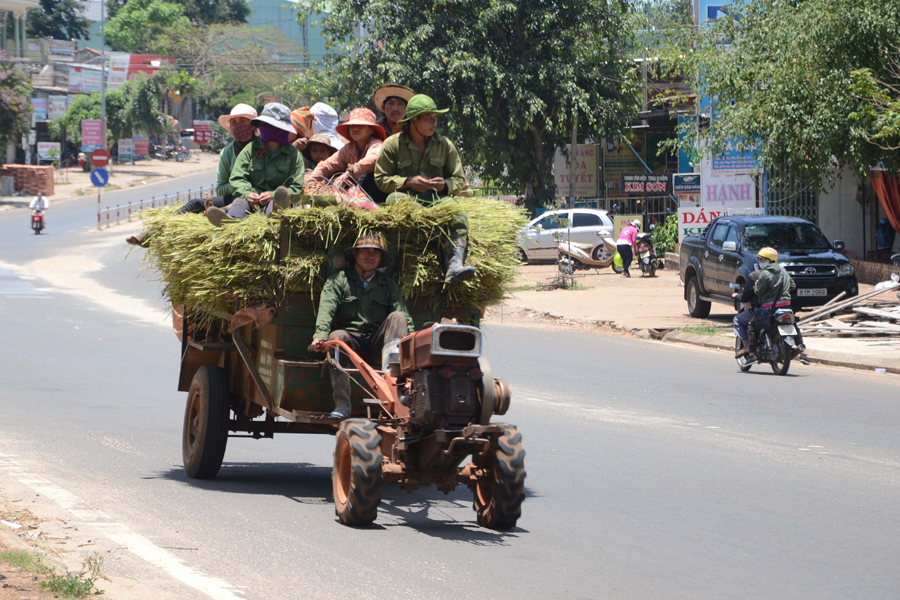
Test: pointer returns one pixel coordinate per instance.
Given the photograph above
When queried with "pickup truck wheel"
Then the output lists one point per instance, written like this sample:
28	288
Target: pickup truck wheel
356	478
699	309
523	258
500	491
206	416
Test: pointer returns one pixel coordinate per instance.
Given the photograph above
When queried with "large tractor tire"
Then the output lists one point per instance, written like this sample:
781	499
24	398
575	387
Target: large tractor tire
205	432
356	478
499	494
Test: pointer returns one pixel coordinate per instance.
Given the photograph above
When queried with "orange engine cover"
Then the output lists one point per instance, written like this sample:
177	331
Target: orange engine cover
453	345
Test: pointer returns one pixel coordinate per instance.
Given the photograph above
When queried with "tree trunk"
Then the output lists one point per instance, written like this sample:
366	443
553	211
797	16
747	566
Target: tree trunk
536	193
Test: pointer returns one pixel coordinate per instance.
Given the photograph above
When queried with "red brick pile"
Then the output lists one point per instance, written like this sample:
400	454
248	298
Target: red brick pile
29	179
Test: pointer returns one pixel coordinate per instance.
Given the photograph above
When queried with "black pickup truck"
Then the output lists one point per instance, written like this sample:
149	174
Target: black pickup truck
725	253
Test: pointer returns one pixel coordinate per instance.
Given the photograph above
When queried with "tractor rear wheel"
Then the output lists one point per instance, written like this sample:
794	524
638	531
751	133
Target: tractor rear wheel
356	478
500	492
206	416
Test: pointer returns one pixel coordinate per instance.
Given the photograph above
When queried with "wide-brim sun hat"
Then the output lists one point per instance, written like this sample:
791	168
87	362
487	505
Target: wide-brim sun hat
277	115
240	110
369	240
361	116
419	105
391	90
320	138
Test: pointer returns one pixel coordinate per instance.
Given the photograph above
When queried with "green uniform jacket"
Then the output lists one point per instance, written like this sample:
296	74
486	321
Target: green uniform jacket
252	173
346	304
223	173
773	279
400	159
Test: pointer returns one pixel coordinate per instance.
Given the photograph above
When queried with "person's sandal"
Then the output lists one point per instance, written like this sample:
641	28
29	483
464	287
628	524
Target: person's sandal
217	216
138	240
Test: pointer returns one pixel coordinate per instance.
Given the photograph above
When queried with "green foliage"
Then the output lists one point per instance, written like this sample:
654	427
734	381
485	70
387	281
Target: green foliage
312	85
132	107
879	115
514	74
701	329
83	585
23	560
665	236
781	76
146	26
201	12
58	19
15	108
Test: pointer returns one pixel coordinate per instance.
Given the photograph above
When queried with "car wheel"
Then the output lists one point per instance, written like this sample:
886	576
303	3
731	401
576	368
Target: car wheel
523	257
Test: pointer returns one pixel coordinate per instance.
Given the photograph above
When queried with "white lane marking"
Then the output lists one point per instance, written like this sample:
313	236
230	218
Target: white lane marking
119	533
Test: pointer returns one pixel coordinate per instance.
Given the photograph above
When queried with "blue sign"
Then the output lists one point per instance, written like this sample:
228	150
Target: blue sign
99	177
710	10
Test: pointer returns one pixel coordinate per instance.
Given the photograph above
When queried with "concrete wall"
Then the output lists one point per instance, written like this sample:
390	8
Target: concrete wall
841	216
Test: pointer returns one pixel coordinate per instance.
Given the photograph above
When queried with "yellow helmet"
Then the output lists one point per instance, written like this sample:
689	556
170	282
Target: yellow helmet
770	253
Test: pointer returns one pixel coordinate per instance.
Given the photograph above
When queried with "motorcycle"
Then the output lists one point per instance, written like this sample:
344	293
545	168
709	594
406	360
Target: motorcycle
646	255
577	256
776	342
83	162
37	221
895	260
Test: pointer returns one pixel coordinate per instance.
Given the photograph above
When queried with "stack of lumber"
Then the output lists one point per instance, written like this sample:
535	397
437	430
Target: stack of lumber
862	316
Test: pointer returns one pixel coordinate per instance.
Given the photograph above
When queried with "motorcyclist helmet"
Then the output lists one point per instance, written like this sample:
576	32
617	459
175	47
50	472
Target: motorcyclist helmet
636	224
883	221
770	254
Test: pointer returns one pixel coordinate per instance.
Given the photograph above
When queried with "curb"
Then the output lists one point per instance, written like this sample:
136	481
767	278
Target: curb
822	357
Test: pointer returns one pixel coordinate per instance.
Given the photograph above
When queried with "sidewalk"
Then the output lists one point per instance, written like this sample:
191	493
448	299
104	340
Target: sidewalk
77	184
635	306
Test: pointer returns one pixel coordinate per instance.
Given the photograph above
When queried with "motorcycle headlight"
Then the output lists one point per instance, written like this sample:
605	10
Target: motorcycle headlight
845	269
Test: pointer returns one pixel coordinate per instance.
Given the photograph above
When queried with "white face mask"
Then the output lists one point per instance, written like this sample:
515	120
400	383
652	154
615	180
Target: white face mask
762	262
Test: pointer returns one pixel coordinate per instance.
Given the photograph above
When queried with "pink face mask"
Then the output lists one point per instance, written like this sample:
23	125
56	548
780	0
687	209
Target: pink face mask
241	132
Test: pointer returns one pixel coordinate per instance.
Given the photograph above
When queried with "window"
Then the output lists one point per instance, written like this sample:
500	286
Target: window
785	236
548	222
719	235
732	235
580	219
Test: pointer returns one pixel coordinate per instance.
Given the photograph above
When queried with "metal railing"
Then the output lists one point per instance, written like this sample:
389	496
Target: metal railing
116	215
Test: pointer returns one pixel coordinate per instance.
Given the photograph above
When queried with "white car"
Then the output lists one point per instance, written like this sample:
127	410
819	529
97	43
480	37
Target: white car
538	241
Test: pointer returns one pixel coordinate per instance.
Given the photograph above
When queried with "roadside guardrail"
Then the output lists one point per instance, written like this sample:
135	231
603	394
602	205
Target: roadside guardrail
125	213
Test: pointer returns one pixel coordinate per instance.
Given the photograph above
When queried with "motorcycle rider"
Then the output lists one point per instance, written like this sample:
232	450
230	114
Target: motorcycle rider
40	203
772	290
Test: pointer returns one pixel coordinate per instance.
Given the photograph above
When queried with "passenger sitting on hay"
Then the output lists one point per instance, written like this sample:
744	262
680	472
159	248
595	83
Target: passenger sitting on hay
261	167
354	308
422	165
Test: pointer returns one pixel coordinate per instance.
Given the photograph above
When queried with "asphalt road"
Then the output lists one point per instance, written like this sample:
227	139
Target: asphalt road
654	471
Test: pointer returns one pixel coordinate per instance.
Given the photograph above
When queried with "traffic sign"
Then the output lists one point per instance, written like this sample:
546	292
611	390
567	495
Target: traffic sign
99	157
99	177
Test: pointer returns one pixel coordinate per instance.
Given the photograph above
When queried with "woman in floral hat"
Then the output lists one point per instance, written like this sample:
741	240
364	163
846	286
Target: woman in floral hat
356	159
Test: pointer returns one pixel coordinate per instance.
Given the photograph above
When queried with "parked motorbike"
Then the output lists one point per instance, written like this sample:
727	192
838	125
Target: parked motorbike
37	221
895	260
646	255
577	256
83	162
776	342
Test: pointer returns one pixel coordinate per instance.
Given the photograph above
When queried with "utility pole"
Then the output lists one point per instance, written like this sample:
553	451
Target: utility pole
103	72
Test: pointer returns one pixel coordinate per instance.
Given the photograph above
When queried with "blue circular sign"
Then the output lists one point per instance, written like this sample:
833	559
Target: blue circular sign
99	177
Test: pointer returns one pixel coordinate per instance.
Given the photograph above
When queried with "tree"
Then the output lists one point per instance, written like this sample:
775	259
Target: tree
514	74
780	76
201	12
58	19
880	113
312	85
15	110
146	26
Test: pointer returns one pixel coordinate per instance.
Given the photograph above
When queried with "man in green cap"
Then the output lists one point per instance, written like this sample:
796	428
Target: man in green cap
421	164
364	308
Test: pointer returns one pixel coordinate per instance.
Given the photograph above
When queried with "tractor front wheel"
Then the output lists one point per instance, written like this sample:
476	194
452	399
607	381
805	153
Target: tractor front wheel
500	491
356	477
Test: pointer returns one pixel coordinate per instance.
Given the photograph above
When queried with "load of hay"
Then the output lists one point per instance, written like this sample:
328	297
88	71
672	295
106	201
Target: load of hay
214	270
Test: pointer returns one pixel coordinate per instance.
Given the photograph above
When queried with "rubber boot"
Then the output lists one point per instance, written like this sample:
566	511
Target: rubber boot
282	198
454	257
217	216
340	383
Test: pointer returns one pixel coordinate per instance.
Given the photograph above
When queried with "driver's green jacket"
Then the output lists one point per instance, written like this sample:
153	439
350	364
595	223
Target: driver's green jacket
774	286
349	305
258	169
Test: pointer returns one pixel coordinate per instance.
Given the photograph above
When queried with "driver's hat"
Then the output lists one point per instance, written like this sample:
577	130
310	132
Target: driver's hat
769	253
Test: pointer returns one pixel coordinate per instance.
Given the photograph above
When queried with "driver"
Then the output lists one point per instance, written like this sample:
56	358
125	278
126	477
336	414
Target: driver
363	308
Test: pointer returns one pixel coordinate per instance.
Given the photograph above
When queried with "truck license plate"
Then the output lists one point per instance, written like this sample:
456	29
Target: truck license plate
787	330
812	292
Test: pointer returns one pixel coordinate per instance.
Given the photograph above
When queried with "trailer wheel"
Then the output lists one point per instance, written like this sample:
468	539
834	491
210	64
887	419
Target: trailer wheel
500	492
356	477
206	423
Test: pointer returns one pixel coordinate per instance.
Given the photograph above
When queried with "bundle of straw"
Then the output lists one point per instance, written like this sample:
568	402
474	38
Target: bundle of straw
220	270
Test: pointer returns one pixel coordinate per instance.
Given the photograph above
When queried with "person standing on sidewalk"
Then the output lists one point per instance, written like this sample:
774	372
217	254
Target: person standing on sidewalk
626	243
